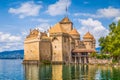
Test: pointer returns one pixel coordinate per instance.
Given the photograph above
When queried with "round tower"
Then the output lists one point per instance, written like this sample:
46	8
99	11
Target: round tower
89	40
76	36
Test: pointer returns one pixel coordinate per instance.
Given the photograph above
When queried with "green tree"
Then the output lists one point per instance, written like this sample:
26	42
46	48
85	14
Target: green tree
93	55
111	43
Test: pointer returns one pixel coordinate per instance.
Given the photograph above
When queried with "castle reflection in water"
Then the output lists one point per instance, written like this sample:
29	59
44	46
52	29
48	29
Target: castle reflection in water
65	72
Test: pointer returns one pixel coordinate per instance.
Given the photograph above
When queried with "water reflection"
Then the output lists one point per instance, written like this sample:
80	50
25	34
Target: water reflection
31	72
70	72
57	72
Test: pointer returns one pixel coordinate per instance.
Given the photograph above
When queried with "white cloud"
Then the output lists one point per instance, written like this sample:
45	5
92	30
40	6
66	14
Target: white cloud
24	33
93	26
26	9
7	37
117	19
43	27
11	46
10	42
87	15
59	8
109	12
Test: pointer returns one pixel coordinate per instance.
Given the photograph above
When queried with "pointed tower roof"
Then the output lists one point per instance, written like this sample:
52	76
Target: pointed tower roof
65	19
74	32
88	36
57	29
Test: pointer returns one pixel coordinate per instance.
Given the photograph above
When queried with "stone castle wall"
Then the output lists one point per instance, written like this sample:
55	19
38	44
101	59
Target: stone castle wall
57	49
99	61
31	50
45	51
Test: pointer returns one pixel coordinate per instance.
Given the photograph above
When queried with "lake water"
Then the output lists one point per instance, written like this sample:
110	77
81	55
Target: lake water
14	70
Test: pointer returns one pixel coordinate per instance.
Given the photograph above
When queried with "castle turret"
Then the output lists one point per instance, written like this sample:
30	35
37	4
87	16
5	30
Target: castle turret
88	36
74	33
31	46
76	36
89	41
66	24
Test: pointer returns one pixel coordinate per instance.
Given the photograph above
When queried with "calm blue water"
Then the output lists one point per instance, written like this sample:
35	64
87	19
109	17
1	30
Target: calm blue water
14	70
11	70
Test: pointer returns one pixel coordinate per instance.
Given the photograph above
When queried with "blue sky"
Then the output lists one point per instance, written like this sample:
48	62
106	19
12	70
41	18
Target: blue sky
17	17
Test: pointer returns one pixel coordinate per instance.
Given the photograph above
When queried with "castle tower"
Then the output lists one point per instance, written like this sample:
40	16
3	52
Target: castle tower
37	47
31	46
66	24
89	41
76	36
60	44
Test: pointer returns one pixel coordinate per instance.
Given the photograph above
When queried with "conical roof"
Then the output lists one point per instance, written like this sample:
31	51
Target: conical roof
74	32
57	29
65	19
88	36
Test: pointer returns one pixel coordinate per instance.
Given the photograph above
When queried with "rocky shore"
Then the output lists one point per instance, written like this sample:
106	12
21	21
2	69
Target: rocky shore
94	61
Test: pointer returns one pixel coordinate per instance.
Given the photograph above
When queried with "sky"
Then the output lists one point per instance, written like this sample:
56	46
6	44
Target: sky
17	17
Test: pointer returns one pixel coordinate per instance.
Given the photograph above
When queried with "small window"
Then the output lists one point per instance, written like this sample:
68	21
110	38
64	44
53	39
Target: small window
55	47
64	39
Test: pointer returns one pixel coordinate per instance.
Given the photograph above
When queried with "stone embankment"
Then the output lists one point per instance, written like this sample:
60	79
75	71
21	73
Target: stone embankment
95	61
100	61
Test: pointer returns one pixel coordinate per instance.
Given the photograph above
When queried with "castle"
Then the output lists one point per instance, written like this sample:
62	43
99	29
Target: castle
60	44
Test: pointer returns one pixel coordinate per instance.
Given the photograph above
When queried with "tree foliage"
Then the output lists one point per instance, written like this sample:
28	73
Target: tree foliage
111	43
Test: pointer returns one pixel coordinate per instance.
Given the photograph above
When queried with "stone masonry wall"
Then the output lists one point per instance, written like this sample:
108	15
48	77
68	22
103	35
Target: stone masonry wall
99	61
